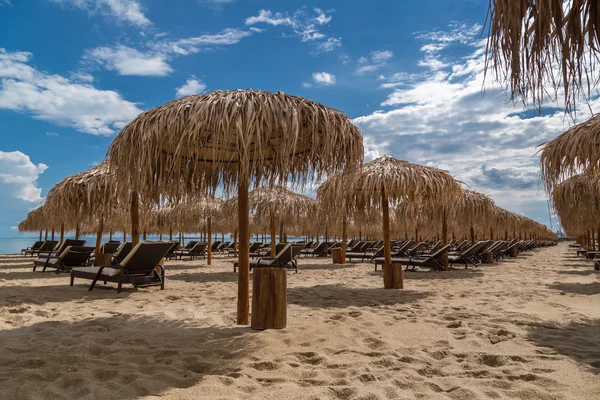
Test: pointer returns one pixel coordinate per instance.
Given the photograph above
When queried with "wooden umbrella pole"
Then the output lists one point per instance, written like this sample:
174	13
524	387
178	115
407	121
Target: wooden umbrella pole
344	238
40	235
144	235
77	230
272	233
52	234
46	234
171	233
326	235
235	243
281	232
62	232
472	232
445	237
209	247
243	302
99	257
124	236
392	274
160	236
110	235
135	215
416	234
491	233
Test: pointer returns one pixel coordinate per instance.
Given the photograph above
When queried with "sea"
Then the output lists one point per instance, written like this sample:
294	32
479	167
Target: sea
13	245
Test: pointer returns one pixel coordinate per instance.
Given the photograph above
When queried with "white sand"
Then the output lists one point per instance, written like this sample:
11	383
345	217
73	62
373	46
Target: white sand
346	338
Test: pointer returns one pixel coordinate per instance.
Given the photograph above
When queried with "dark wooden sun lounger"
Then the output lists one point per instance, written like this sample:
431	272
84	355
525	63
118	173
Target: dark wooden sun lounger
467	256
286	257
199	250
34	247
141	268
121	253
319	251
72	256
61	247
433	261
47	246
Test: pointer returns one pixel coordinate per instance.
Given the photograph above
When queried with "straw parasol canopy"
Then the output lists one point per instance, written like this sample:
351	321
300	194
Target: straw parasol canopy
572	152
275	204
193	144
537	45
577	203
37	219
87	195
386	181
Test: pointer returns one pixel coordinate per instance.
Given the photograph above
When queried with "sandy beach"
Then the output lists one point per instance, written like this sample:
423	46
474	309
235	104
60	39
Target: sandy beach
525	328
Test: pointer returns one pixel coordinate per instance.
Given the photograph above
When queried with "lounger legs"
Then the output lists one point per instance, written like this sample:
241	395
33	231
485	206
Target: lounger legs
72	279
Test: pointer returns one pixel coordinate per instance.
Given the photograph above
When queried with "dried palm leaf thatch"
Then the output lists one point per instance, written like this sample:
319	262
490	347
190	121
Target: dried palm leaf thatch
278	201
399	180
88	194
577	202
572	152
37	220
540	46
198	142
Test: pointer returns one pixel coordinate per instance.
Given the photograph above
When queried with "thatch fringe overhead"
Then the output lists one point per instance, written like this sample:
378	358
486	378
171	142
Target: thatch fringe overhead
194	143
577	203
538	46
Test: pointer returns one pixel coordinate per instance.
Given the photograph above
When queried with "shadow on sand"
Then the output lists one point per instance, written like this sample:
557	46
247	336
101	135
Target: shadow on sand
130	356
340	296
584	272
199	277
578	340
577	288
23	294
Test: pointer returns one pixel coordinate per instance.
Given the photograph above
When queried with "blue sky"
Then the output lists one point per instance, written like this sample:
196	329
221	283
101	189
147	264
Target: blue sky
410	74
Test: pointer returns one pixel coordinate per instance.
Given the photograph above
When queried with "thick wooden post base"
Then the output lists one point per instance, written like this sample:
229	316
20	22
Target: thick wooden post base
269	298
102	259
336	256
514	252
489	257
392	276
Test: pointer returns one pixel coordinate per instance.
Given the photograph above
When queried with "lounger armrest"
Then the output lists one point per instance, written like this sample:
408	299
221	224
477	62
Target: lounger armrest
263	258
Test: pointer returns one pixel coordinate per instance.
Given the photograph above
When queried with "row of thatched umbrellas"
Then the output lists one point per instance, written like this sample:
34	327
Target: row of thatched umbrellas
170	161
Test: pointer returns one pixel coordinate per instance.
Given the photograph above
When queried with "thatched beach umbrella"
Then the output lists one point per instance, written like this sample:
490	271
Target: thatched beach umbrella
387	180
87	195
544	45
275	204
192	212
193	144
572	152
37	220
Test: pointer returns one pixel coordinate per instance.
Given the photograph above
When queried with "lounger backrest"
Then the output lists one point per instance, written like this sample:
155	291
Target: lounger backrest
37	245
320	247
145	256
439	252
255	246
110	248
199	248
284	254
76	255
123	251
215	245
174	248
48	245
190	244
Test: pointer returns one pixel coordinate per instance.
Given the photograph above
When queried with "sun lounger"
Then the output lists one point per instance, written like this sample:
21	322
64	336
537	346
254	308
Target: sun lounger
285	258
141	268
467	256
72	256
433	261
47	246
61	247
34	247
199	250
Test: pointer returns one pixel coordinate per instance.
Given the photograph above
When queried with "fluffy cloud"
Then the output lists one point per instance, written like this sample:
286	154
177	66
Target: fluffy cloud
375	61
128	61
323	78
191	86
129	11
18	176
440	116
153	57
60	100
304	24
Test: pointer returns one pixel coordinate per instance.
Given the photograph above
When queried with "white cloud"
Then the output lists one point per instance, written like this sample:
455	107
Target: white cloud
18	177
306	85
60	100
129	11
128	61
376	60
440	116
52	134
192	86
267	17
304	24
324	78
195	44
5	3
